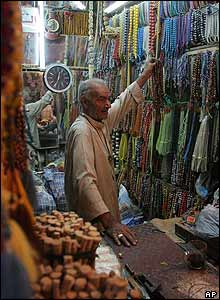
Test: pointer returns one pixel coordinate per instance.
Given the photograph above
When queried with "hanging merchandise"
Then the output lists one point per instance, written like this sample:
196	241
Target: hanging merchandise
143	10
163	145
180	93
152	23
212	24
14	164
78	55
215	138
211	98
200	154
75	23
195	93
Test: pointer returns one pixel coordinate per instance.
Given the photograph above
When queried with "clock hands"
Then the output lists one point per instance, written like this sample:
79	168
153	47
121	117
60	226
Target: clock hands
58	78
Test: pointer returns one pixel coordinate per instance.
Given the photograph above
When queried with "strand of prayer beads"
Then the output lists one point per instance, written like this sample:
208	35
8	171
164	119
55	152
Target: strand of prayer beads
152	27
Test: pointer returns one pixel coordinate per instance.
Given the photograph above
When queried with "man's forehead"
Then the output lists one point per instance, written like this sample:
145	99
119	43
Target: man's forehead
100	90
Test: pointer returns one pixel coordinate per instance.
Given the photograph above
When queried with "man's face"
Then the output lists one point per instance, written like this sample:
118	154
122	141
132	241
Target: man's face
99	103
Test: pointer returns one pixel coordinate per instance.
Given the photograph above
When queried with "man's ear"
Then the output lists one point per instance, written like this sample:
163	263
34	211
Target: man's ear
85	102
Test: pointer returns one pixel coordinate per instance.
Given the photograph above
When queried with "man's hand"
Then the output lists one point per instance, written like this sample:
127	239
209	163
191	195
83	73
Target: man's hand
150	64
121	234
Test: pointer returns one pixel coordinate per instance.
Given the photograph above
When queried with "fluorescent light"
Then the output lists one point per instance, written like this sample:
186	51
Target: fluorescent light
114	6
41	39
79	5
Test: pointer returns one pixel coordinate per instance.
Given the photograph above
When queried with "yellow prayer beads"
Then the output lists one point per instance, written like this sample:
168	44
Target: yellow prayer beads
130	31
135	30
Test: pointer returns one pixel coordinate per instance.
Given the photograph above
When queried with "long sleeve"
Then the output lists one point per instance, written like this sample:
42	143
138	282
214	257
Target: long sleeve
85	198
35	108
32	110
123	104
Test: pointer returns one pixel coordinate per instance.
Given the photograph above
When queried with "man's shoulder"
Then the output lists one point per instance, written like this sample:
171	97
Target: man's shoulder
79	127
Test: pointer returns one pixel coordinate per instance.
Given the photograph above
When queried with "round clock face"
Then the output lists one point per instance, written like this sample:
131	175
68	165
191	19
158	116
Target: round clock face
58	78
52	25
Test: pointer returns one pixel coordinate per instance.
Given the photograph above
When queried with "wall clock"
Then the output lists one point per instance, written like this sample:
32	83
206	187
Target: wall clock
52	25
58	78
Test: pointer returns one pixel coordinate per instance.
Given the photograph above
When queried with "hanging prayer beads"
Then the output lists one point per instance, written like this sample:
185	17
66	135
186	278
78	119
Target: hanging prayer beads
195	96
157	90
185	78
152	23
135	31
75	23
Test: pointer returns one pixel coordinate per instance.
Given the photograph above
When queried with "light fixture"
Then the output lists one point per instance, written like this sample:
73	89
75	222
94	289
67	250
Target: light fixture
79	4
41	39
114	6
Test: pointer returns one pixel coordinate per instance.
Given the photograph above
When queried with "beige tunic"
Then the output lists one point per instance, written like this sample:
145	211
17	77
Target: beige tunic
90	185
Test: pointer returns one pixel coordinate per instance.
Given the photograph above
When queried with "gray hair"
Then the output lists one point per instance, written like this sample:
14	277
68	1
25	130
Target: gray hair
85	87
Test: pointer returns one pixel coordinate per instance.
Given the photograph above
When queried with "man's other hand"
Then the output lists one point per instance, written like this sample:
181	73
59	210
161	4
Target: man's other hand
121	234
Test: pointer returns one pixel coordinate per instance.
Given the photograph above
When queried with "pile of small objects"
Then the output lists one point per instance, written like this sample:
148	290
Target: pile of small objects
73	280
67	234
67	271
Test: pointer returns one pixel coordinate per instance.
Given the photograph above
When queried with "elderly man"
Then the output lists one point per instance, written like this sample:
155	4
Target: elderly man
90	185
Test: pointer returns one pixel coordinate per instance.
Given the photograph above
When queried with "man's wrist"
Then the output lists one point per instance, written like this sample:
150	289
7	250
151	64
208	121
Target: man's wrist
106	220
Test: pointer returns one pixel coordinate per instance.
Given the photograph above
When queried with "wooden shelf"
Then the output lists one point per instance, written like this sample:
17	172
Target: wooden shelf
35	68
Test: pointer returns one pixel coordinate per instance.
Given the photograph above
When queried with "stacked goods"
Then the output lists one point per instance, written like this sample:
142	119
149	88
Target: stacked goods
73	280
67	234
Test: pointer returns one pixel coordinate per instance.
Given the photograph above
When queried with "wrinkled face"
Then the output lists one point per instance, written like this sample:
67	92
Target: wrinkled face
97	103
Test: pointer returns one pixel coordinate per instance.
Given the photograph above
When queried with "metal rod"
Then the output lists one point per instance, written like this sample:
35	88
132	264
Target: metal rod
200	49
78	68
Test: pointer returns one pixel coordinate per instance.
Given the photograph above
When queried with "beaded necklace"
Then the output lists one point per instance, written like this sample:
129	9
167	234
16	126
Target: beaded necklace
157	90
146	125
140	43
141	17
211	92
145	10
125	34
188	28
115	54
121	18
206	57
135	31
152	23
131	13
183	74
182	133
137	126
195	93
212	24
165	35
165	8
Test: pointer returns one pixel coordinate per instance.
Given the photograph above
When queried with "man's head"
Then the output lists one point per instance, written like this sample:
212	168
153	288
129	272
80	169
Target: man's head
94	98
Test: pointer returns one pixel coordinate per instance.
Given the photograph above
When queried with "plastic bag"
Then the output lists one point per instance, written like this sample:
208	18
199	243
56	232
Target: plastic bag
207	224
130	213
216	198
206	184
124	204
